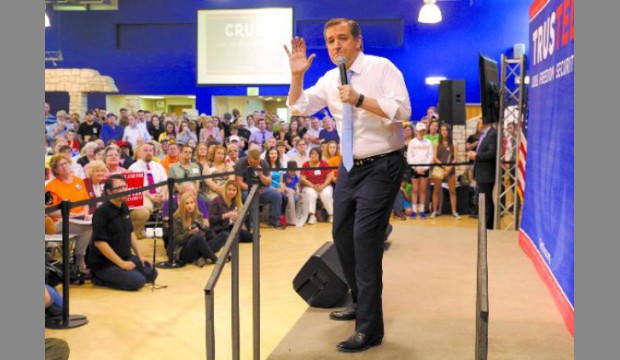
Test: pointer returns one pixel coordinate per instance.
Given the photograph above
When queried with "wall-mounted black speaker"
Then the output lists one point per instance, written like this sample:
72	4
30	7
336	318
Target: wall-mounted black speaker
321	282
452	101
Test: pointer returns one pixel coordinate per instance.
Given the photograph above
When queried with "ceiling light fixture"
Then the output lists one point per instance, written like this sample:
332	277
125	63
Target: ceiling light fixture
429	13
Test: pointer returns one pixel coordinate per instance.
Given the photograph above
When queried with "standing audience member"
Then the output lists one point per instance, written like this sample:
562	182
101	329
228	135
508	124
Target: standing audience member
484	158
420	151
444	153
110	257
329	132
89	130
134	131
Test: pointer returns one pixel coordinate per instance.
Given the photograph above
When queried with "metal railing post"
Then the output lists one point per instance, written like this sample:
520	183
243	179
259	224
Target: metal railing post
256	276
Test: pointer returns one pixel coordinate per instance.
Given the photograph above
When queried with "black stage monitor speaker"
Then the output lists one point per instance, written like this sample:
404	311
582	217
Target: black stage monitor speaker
321	282
452	101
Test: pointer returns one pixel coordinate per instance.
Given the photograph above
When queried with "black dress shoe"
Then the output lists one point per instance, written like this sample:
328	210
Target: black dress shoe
359	342
346	314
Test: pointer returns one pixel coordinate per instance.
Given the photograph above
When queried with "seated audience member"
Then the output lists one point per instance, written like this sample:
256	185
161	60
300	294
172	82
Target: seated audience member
301	155
109	257
280	135
112	158
184	168
276	177
233	153
224	211
209	132
66	186
215	185
185	133
269	144
252	170
127	155
111	131
333	158
172	157
88	153
193	238
187	186
99	156
97	173
281	147
76	168
329	132
402	203
169	134
317	183
155	128
154	173
261	134
72	141
133	131
297	213
55	349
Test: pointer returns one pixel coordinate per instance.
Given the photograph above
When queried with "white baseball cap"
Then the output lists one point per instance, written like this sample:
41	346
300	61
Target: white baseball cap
234	138
420	126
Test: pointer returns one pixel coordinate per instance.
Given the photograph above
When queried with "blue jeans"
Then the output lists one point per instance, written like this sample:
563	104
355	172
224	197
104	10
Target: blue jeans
271	196
117	278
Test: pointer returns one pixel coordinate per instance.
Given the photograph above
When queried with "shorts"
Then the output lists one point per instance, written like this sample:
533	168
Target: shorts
415	174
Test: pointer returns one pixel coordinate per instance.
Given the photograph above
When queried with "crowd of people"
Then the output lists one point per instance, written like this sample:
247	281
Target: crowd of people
235	152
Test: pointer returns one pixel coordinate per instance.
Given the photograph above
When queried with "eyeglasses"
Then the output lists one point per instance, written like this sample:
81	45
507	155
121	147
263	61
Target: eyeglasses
61	164
120	187
186	174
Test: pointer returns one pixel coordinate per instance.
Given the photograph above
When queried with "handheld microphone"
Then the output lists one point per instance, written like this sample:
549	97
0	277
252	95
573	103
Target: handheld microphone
342	66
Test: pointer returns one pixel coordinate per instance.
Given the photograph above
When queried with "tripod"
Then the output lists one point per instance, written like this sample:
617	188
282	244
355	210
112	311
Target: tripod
153	286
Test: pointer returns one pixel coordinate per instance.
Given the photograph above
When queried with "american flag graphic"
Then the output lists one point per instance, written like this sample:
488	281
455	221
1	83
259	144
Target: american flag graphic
522	153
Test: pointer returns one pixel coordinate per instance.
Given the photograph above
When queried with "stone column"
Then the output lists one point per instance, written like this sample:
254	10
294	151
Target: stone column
459	138
78	102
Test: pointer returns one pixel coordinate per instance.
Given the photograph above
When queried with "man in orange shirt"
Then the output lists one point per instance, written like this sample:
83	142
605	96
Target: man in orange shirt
172	157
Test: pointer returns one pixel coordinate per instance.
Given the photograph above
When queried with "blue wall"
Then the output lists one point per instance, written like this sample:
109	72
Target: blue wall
149	46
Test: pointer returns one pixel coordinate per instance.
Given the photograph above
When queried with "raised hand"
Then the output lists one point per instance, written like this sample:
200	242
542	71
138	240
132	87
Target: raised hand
297	59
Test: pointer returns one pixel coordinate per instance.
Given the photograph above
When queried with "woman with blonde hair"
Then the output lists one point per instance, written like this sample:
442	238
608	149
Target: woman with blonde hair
97	173
194	240
215	185
224	211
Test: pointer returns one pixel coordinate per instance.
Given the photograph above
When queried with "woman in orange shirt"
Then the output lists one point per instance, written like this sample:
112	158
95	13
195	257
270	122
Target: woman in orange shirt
65	186
333	158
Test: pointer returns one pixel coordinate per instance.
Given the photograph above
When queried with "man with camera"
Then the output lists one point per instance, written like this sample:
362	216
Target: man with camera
109	256
252	170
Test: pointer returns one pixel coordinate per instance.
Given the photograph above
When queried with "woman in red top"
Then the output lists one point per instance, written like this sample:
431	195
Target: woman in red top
317	183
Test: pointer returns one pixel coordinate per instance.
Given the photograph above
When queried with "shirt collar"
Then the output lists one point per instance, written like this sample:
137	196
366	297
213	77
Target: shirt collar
358	64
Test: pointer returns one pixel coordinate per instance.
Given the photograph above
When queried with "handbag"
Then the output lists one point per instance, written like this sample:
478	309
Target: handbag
439	172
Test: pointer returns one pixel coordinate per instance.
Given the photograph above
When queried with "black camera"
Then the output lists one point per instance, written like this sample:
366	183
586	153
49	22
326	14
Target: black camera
48	198
197	225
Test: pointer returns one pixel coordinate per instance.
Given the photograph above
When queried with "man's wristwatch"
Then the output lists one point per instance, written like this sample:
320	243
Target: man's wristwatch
360	100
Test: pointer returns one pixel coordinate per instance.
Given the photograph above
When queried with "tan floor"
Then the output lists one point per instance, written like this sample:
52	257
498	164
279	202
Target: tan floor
169	323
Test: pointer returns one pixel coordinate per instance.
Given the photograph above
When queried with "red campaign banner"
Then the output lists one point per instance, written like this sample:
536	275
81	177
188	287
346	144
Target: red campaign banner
135	180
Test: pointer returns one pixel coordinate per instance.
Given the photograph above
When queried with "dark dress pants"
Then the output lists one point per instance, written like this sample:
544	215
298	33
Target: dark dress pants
363	204
117	278
487	190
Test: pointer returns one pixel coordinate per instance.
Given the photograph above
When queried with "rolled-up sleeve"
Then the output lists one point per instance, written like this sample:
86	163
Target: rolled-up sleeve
311	100
395	101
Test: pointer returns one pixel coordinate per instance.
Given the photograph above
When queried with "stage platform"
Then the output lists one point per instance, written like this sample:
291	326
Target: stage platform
429	298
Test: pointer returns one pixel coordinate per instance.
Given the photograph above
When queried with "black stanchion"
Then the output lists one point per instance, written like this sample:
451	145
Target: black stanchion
171	263
65	321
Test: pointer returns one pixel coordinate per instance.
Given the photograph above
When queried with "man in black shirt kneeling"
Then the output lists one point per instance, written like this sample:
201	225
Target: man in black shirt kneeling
109	256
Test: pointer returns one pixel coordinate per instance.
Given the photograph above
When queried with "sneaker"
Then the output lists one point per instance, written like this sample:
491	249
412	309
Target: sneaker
422	215
312	219
433	214
330	219
400	215
277	226
456	215
413	215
